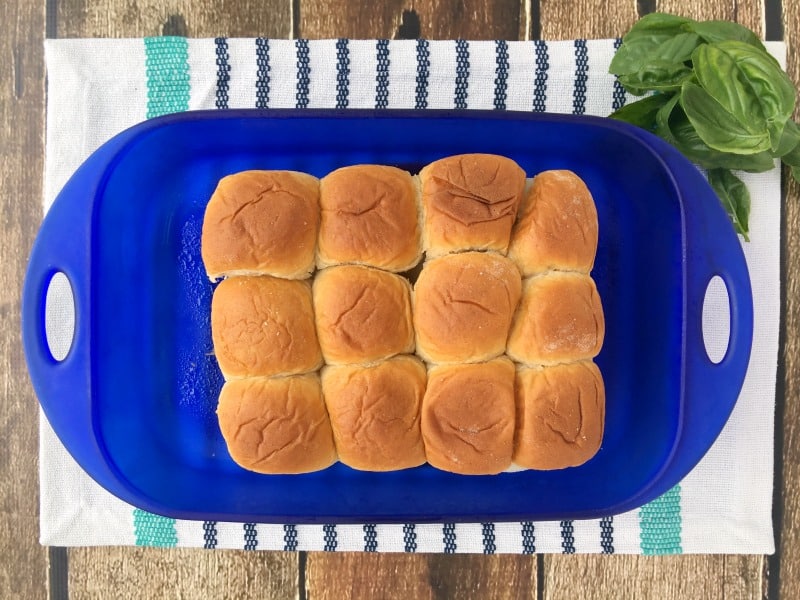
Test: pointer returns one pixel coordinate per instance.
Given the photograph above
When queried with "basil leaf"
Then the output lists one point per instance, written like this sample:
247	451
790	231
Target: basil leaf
718	31
674	127
636	55
734	196
642	113
747	84
796	173
789	139
657	23
719	128
657	75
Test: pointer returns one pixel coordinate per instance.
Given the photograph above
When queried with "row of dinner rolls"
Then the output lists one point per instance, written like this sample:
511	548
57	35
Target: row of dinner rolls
286	224
472	419
359	320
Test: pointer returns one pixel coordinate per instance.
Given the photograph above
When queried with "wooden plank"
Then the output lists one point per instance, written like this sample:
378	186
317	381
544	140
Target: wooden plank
349	576
22	24
634	576
183	573
644	577
121	18
407	19
786	565
188	574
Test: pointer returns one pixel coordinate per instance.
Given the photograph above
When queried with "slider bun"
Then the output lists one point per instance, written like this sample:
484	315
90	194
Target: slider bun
470	202
463	306
276	425
560	415
558	226
370	216
560	319
264	326
262	222
363	314
468	417
375	411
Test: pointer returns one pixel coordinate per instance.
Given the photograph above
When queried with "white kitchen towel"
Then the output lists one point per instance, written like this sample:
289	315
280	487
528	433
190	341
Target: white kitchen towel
97	88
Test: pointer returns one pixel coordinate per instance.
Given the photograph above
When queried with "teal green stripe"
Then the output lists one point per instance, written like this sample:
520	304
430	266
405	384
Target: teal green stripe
660	524
153	530
167	69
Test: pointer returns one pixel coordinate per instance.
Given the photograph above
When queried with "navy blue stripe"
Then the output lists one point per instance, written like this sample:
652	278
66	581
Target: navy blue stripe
262	73
462	73
528	537
209	534
423	72
567	537
303	73
250	536
382	74
581	70
488	538
370	538
342	73
501	74
542	66
619	92
607	535
223	72
289	538
330	538
410	537
449	533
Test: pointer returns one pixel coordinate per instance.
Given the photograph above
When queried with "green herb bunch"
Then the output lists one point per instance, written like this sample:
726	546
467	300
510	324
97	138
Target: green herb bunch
720	98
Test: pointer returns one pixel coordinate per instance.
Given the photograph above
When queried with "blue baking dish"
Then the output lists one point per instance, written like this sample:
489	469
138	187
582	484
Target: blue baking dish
134	400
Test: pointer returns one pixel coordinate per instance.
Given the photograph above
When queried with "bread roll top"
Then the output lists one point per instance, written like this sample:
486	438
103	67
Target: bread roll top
362	314
558	226
463	306
264	326
262	222
370	216
375	413
560	415
470	202
276	425
468	416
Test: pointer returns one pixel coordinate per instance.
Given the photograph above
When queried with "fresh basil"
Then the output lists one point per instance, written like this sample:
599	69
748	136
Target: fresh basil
721	99
734	196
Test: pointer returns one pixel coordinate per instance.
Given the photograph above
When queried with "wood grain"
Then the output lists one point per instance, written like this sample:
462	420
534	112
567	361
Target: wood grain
788	567
209	18
349	576
148	573
645	577
24	570
566	20
432	19
747	12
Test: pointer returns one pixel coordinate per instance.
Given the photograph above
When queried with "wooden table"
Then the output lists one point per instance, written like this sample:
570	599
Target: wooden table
30	571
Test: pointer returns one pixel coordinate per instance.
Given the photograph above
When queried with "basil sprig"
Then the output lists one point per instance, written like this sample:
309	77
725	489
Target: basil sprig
720	98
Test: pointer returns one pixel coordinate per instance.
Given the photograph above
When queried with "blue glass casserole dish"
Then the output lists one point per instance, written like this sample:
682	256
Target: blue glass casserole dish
134	399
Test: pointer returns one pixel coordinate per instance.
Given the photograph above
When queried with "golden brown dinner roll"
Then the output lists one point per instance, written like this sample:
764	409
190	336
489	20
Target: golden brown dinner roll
559	320
375	411
264	326
468	417
463	306
470	202
558	226
262	222
370	216
560	415
276	425
363	314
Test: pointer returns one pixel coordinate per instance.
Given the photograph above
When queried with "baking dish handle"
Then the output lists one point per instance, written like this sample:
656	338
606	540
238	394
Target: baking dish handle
64	245
712	248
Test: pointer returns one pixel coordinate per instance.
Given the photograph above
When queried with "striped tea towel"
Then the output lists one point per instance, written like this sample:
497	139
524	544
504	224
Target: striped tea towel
96	88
